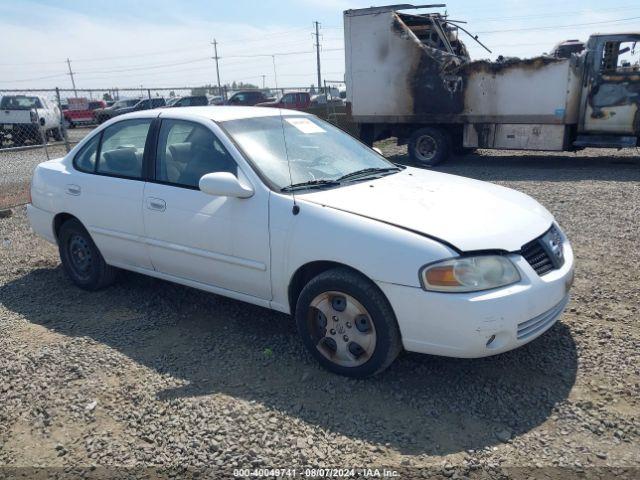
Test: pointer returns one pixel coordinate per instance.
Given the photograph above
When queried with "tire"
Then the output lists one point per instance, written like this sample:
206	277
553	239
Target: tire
429	146
57	134
367	134
343	294
81	259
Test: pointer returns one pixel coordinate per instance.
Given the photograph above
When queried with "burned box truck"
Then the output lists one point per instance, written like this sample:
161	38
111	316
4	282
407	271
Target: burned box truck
410	76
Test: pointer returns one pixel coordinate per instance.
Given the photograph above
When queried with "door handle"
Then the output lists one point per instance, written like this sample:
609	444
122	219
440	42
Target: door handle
73	189
156	204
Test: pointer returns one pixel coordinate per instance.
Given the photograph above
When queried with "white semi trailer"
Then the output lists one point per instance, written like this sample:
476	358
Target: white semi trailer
409	76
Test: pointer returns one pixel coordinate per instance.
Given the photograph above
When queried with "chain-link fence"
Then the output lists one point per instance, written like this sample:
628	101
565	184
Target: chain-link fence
41	124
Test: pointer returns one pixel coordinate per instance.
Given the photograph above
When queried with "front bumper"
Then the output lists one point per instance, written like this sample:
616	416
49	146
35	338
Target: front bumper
479	324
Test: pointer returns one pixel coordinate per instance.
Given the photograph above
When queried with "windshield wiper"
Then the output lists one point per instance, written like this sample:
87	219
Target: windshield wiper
310	184
367	171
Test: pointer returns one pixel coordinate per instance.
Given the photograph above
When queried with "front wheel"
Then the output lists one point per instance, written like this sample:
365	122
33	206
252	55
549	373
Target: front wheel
429	146
81	259
347	324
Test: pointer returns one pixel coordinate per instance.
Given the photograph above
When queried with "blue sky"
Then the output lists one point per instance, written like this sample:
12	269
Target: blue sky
167	43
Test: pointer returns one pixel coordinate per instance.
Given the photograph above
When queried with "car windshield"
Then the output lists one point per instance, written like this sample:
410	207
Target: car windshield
318	153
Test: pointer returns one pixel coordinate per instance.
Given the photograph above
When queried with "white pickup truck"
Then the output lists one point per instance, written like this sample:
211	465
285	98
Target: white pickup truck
22	117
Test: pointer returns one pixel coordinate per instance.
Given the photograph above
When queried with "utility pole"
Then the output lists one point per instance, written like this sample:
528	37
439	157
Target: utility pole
317	45
215	57
73	82
263	77
275	74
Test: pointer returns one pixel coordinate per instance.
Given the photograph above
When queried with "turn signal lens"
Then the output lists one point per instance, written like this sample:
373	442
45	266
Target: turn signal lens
442	276
469	274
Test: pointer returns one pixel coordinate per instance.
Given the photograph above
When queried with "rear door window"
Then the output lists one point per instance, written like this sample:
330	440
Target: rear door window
85	159
122	148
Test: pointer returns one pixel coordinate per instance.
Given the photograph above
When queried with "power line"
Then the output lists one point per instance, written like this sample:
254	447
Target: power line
554	14
148	67
553	27
268	54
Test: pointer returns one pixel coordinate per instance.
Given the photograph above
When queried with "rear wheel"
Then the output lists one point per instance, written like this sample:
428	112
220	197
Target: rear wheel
81	259
429	146
347	324
57	135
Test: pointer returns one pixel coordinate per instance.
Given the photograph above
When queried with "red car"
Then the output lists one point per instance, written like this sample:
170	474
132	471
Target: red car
290	100
82	111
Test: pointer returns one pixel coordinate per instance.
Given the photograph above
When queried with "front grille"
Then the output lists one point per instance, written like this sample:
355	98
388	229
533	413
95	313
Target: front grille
544	253
541	322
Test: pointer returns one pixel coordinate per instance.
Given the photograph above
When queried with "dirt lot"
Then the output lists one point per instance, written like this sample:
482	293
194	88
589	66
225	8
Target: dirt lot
148	373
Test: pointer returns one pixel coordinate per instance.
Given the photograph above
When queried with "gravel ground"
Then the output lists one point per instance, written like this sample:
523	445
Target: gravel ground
148	373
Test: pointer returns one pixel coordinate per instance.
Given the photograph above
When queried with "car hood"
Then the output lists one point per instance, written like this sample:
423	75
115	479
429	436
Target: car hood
467	214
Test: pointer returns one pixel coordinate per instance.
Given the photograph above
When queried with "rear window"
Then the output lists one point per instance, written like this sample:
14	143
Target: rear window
20	103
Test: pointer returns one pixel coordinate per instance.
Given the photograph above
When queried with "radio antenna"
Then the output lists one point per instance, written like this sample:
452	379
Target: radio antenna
296	209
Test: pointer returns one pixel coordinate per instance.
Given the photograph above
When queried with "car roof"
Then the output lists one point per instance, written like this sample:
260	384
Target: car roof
215	113
225	113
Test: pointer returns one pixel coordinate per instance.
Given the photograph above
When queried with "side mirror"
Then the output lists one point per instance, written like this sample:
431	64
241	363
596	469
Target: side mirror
224	184
377	150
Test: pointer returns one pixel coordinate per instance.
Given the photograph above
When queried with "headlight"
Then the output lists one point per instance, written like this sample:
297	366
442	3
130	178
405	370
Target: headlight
469	274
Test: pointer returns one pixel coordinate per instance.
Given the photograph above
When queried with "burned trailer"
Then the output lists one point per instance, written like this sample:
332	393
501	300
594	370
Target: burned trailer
410	76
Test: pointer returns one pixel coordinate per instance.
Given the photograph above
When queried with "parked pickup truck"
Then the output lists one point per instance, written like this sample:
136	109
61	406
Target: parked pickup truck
82	111
410	76
23	116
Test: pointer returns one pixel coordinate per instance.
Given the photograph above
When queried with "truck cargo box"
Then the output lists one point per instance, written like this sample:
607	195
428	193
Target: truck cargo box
406	68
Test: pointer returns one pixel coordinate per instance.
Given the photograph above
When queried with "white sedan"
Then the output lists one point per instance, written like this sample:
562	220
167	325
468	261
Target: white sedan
283	210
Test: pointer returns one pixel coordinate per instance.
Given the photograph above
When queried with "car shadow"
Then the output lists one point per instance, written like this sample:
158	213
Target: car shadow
535	166
420	405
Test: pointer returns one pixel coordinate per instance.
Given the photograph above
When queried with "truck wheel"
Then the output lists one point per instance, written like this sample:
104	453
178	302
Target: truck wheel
429	146
367	134
57	135
347	324
81	259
